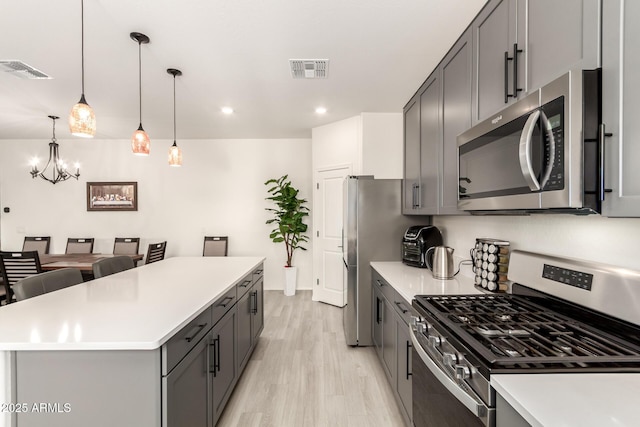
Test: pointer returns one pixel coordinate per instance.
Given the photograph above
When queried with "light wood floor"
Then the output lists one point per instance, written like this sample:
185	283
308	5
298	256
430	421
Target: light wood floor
302	373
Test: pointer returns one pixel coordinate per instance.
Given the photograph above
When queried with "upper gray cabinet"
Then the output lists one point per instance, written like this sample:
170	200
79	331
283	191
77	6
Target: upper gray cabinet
494	32
621	107
521	45
422	136
456	117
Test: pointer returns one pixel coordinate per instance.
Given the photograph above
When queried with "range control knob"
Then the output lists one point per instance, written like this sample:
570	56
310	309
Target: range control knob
435	340
462	372
450	359
419	325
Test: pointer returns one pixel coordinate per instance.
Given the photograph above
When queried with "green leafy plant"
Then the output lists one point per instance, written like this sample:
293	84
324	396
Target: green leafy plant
288	216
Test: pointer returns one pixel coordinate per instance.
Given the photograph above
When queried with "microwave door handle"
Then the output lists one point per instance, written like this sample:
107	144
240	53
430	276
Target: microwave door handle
546	127
525	151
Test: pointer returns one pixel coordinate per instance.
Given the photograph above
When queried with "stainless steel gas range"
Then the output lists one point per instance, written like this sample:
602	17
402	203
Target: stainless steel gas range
563	315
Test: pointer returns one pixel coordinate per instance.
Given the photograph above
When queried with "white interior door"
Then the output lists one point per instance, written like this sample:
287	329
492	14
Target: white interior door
327	242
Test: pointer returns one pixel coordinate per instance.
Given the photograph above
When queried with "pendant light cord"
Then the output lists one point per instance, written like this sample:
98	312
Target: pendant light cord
140	77
174	108
82	41
54	130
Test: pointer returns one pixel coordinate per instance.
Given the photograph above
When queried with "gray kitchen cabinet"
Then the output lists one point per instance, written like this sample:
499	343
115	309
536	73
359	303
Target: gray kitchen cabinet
257	309
186	407
422	150
389	359
391	338
411	155
521	45
224	369
621	107
405	382
245	337
494	33
456	69
377	310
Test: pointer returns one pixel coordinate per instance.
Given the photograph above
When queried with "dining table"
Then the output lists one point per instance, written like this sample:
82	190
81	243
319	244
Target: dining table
83	262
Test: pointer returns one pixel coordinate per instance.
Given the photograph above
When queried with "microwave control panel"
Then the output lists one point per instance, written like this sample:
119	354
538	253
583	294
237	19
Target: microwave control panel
556	124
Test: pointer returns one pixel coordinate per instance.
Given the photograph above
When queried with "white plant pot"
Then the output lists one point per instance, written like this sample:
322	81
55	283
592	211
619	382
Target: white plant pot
290	274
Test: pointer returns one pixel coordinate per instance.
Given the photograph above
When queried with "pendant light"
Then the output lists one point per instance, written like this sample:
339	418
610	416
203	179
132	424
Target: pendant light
140	142
175	153
82	120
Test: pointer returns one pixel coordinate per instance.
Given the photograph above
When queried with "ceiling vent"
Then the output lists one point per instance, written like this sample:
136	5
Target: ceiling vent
21	70
309	68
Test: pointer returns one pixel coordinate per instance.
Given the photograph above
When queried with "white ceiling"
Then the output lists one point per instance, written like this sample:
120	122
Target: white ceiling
231	52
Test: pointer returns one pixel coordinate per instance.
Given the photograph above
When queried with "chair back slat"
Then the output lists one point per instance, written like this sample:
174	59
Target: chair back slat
79	246
40	244
155	252
126	245
15	266
215	246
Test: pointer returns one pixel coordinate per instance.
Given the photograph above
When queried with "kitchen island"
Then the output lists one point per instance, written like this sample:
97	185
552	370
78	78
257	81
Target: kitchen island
125	349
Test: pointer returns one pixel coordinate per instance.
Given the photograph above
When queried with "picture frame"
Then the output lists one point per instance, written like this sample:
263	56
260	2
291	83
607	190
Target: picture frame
112	196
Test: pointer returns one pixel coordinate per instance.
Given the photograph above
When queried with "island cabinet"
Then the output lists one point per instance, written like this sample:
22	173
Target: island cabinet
250	315
521	45
391	319
125	350
621	107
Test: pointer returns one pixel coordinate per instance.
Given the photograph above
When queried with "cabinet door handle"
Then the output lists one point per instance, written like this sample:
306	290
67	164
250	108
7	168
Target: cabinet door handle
196	330
212	354
225	302
216	357
506	76
402	307
380	283
516	51
602	135
254	300
408	359
378	310
245	283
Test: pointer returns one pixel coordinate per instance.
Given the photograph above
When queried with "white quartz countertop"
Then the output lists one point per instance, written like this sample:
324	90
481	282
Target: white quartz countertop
412	281
137	309
568	400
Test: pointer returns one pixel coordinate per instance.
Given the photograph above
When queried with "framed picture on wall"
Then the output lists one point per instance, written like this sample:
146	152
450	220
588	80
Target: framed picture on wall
112	196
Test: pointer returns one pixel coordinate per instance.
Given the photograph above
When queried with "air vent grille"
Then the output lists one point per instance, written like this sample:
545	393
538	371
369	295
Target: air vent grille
21	70
309	68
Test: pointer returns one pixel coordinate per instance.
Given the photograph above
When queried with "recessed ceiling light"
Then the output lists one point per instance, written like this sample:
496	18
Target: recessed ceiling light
227	110
321	110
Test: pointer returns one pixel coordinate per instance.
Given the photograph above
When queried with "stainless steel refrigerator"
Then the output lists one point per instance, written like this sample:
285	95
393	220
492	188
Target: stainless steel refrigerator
373	227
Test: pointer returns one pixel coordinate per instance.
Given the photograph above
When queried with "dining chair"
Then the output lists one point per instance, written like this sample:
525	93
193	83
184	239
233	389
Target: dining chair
15	266
126	245
46	282
79	246
215	246
108	266
40	244
155	252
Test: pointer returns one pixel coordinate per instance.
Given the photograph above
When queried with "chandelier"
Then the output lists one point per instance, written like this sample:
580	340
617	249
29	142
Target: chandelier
58	166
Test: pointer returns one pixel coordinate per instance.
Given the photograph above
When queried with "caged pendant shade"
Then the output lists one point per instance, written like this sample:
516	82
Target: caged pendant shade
140	142
175	153
82	119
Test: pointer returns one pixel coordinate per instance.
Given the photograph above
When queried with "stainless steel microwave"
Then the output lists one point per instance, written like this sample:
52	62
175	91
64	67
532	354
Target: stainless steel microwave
543	153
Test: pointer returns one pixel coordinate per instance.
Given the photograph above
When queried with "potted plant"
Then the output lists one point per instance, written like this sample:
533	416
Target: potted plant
290	228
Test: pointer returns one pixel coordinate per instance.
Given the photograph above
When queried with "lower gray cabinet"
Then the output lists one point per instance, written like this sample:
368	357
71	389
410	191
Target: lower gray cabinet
391	338
187	387
245	338
224	370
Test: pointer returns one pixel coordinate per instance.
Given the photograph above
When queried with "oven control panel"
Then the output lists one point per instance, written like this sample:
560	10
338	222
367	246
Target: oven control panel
567	276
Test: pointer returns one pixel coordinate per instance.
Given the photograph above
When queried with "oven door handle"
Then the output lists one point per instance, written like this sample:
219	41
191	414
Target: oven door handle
470	402
524	151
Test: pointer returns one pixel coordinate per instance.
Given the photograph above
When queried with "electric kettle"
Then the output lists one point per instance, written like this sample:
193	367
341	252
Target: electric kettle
442	267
